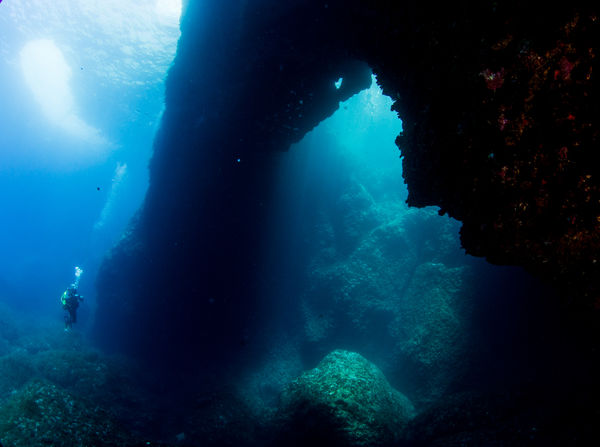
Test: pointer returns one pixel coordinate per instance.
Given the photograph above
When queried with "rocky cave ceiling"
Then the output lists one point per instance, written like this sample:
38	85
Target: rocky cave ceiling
500	114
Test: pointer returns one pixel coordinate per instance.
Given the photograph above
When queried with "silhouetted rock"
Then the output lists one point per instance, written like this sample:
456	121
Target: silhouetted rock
498	103
526	416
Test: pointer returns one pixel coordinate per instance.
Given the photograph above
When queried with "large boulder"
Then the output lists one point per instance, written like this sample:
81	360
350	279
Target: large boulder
347	401
431	329
402	286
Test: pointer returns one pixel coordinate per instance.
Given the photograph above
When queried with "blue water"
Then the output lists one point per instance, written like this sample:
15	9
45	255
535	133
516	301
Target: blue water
82	94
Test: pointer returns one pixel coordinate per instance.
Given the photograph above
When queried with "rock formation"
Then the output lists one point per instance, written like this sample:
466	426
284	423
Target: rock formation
344	401
500	120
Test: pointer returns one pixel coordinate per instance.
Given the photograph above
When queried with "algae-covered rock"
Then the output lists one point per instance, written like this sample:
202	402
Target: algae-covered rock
402	286
42	414
346	400
82	372
110	383
355	214
430	327
43	336
218	418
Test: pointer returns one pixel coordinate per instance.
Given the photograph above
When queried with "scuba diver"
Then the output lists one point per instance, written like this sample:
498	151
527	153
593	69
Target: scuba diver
70	300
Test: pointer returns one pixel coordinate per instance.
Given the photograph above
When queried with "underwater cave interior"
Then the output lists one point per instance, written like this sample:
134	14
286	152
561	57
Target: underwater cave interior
360	229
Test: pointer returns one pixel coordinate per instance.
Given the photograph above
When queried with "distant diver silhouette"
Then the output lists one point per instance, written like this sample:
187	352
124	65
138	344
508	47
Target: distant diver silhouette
70	300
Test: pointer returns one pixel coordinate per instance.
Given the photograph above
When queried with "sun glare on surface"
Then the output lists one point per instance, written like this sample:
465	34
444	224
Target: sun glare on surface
47	74
169	9
88	75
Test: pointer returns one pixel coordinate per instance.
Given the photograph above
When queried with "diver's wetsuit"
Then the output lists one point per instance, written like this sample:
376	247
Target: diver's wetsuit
70	302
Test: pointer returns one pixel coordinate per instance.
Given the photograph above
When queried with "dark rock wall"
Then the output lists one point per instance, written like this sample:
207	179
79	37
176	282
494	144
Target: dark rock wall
499	109
500	130
184	278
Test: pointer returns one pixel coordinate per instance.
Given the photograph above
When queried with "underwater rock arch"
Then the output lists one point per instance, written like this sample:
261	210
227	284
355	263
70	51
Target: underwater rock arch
497	103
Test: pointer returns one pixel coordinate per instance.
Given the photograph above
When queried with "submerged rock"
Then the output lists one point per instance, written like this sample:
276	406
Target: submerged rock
404	287
56	390
347	401
9	330
15	370
431	328
42	414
